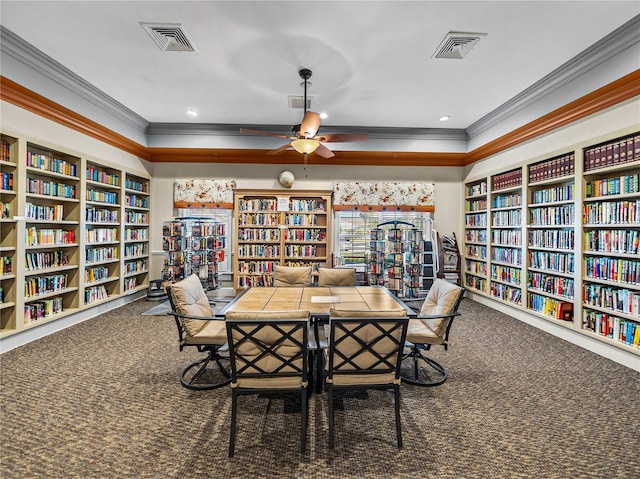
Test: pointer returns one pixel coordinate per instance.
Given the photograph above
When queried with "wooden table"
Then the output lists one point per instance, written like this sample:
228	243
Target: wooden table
318	301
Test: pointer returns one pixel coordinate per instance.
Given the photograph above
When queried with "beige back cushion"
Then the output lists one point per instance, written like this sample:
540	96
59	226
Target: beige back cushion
292	276
189	298
336	277
442	299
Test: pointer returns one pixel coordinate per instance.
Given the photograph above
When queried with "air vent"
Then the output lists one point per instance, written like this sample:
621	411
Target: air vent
457	45
169	37
298	101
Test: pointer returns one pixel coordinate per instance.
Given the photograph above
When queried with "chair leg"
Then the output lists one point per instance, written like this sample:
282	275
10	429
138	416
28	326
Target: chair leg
416	355
203	363
234	413
396	392
303	420
331	417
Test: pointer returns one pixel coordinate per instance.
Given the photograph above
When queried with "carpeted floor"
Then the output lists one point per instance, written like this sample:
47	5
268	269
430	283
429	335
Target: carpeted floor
102	400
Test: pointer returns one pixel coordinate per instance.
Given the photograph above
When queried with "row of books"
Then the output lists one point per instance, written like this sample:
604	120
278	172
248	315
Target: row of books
611	212
136	249
262	234
618	299
301	220
613	327
476	189
5	151
95	294
5	208
477	220
258	250
134	217
45	236
250	267
130	283
91	275
42	309
37	285
546	260
311	234
506	274
614	152
507	218
476	205
613	241
136	234
46	259
136	201
476	251
137	266
507	255
508	179
257	280
551	284
475	236
136	185
306	205
6	265
7	181
54	165
475	282
558	167
102	196
613	269
506	293
102	235
257	204
507	237
550	307
101	215
557	239
507	201
97	255
100	176
258	219
301	250
552	215
619	185
44	212
476	267
557	193
55	189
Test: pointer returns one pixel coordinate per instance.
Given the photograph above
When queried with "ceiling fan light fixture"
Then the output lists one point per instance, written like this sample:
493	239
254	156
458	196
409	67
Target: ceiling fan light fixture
305	145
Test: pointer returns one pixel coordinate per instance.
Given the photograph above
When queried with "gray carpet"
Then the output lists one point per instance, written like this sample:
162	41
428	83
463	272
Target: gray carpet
102	400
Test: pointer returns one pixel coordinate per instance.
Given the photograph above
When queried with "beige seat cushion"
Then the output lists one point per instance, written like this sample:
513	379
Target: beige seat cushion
292	276
419	332
189	298
442	299
213	332
336	277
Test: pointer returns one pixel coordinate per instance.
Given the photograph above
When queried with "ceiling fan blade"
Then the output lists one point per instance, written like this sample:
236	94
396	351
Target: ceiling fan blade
263	133
279	150
324	152
310	125
341	137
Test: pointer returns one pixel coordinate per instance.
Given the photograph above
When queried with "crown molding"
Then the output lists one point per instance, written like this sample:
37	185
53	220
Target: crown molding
609	46
27	54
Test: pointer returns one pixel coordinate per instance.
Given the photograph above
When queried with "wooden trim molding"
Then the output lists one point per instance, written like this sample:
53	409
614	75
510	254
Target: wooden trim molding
609	95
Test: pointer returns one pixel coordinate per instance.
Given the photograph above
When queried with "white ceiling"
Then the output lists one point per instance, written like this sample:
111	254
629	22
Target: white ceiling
371	60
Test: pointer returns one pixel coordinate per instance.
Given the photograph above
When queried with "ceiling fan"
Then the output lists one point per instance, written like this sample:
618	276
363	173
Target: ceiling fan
304	137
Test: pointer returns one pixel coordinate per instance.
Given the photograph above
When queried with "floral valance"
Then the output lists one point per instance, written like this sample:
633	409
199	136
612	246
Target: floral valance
384	196
203	193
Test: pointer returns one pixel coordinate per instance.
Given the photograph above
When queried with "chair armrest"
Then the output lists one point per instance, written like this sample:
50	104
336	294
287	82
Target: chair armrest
192	316
437	316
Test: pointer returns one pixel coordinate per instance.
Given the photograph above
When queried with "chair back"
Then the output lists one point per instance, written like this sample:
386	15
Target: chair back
444	298
336	277
365	350
188	297
292	276
268	350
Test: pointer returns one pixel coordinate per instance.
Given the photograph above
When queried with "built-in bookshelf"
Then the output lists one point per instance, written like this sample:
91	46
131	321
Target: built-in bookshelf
62	233
193	246
275	227
52	221
136	232
611	241
476	241
8	231
506	280
551	224
567	238
103	208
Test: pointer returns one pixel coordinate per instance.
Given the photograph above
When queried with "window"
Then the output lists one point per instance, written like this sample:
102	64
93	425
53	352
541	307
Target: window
352	232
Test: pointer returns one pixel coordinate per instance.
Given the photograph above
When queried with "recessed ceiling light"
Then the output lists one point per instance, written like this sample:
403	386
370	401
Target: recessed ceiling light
192	113
445	118
324	116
